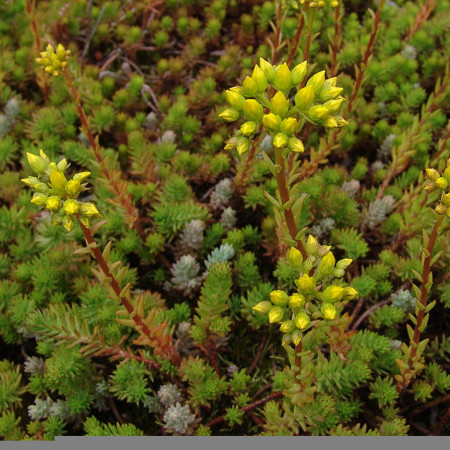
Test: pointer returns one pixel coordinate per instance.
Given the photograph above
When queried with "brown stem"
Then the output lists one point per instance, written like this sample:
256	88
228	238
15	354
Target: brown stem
336	40
368	313
421	17
284	195
247	408
167	349
309	167
440	427
423	301
309	38
297	36
258	355
125	202
277	33
398	165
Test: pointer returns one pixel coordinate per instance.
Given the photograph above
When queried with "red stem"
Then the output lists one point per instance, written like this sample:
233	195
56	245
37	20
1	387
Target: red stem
140	324
337	19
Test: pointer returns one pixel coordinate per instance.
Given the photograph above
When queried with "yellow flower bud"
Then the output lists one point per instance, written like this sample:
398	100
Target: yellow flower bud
296	337
39	199
329	92
432	174
295	257
286	340
334	3
287	327
280	140
327	263
81	176
30	181
276	314
440	209
282	80
302	320
230	115
263	307
279	298
271	121
248	128
253	110
317	112
328	311
306	284
446	199
334	105
235	99
350	293
268	69
298	73
344	263
71	207
317	81
312	246
249	87
260	79
304	97
289	125
68	223
330	122
231	143
57	179
242	145
332	293
441	183
53	203
73	188
36	163
296	145
296	300
89	209
279	104
341	121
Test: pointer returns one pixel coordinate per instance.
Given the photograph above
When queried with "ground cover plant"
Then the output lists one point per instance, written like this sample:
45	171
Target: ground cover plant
224	217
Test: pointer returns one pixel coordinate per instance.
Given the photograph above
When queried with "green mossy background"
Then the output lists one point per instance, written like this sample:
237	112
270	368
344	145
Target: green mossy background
152	77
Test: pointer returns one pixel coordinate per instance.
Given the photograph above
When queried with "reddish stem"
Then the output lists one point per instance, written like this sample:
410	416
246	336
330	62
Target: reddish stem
125	202
277	34
298	34
423	301
167	349
284	195
336	41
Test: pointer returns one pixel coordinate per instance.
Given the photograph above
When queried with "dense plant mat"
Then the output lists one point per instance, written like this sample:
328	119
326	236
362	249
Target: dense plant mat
224	217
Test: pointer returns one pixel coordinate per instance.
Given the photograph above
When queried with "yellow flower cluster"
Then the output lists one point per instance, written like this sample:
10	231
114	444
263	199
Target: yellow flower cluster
443	184
296	5
54	61
319	102
58	195
312	300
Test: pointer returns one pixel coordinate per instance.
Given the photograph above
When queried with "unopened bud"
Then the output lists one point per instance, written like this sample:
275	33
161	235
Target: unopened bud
432	174
441	183
306	284
52	203
287	327
279	104
328	311
58	180
298	73
334	106
276	314
73	188
253	110
263	307
248	128
326	264
279	298
332	293
39	199
304	97
289	125
296	337
317	81
440	209
89	210
71	207
260	79
230	115
242	145
311	245
37	163
282	80
249	87
271	121
302	320
280	140
268	69
295	257
350	293
296	145
317	112
235	99
296	300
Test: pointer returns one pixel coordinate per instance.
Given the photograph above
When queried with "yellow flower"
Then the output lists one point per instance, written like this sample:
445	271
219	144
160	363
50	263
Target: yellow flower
71	207
54	61
328	311
279	298
302	320
263	307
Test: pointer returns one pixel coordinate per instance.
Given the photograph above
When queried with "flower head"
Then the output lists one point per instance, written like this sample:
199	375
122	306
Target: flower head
54	61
